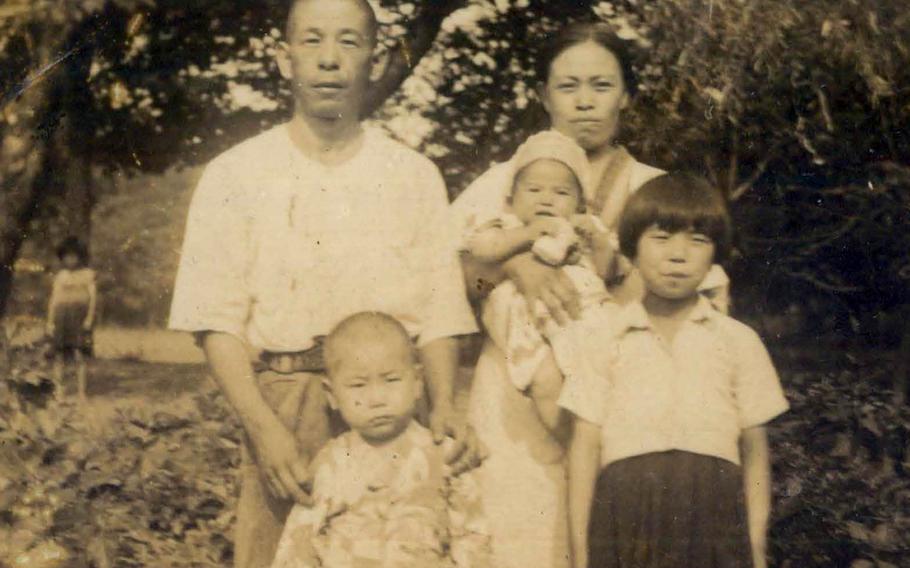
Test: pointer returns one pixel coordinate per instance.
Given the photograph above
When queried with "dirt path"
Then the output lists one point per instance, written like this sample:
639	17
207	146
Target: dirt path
160	382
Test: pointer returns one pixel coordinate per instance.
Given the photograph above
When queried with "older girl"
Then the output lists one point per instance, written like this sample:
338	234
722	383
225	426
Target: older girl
669	463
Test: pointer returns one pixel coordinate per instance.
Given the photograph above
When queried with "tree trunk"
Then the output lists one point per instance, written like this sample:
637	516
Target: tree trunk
27	127
46	140
75	139
406	55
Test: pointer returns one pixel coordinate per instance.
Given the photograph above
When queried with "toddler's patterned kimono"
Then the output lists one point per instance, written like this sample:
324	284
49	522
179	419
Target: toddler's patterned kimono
392	513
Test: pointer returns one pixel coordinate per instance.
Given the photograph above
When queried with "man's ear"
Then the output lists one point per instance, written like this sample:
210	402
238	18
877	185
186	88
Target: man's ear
379	63
624	101
329	395
283	58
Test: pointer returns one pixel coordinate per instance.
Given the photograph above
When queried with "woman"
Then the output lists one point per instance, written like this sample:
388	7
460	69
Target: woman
585	81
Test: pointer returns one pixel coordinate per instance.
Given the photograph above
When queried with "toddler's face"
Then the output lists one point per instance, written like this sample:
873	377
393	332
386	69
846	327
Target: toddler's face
672	265
376	387
545	188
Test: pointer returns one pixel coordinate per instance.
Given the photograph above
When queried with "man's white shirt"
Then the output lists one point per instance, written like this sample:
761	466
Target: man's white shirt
280	247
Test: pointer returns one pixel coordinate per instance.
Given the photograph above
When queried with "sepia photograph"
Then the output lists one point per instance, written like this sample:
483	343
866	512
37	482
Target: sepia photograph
454	284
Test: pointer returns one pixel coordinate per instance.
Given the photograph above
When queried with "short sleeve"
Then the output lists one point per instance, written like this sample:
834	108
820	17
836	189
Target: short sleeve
483	201
211	291
470	541
759	396
447	313
585	363
303	525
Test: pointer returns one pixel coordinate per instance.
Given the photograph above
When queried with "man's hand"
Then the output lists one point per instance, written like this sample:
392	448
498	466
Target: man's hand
273	447
537	281
87	324
467	452
281	465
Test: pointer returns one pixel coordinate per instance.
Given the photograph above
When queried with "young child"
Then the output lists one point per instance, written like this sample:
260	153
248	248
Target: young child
545	216
668	463
71	312
382	494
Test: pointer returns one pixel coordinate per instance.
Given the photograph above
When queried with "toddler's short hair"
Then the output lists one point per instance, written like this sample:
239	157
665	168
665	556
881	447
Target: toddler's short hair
363	327
676	202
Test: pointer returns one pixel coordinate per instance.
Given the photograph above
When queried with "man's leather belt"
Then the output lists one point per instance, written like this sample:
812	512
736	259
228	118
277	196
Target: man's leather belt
309	361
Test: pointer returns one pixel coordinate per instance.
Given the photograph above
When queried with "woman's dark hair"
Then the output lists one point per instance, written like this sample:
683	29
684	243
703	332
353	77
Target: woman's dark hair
676	202
72	245
578	33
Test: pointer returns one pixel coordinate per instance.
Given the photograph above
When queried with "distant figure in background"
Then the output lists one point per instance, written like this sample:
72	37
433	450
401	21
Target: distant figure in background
71	312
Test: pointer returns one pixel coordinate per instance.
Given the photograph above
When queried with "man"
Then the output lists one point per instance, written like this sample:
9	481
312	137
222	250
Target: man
293	230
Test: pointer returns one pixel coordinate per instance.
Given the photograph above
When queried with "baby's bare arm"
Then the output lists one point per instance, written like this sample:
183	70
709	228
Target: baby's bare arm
497	244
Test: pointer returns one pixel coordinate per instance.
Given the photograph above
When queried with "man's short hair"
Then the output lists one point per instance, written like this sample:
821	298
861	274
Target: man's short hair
676	202
364	5
361	328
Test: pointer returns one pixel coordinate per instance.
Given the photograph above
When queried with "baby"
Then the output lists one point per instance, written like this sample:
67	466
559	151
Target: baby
545	216
382	494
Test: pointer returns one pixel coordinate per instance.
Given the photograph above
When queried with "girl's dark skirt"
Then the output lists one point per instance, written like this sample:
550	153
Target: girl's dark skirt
669	510
69	334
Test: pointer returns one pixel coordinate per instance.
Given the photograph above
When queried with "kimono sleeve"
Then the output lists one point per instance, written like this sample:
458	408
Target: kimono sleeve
296	547
470	542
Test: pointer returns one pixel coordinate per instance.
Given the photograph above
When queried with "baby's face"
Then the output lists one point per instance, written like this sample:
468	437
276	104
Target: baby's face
545	188
376	387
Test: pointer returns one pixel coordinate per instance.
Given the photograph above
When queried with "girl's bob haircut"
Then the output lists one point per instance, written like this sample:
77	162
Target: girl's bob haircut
676	202
72	245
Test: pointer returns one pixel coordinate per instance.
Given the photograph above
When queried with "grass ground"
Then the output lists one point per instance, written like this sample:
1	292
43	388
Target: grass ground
145	475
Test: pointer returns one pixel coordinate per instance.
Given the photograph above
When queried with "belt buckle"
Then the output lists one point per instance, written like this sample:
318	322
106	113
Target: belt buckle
309	360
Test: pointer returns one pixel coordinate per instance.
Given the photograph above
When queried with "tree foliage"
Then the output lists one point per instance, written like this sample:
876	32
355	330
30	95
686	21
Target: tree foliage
797	110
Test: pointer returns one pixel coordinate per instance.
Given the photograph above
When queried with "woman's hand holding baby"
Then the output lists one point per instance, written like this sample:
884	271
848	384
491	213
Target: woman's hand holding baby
596	241
591	231
537	281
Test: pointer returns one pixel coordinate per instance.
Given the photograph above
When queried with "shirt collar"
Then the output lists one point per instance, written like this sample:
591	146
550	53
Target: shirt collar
634	317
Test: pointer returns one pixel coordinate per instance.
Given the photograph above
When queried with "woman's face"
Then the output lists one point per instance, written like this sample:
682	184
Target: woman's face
585	93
